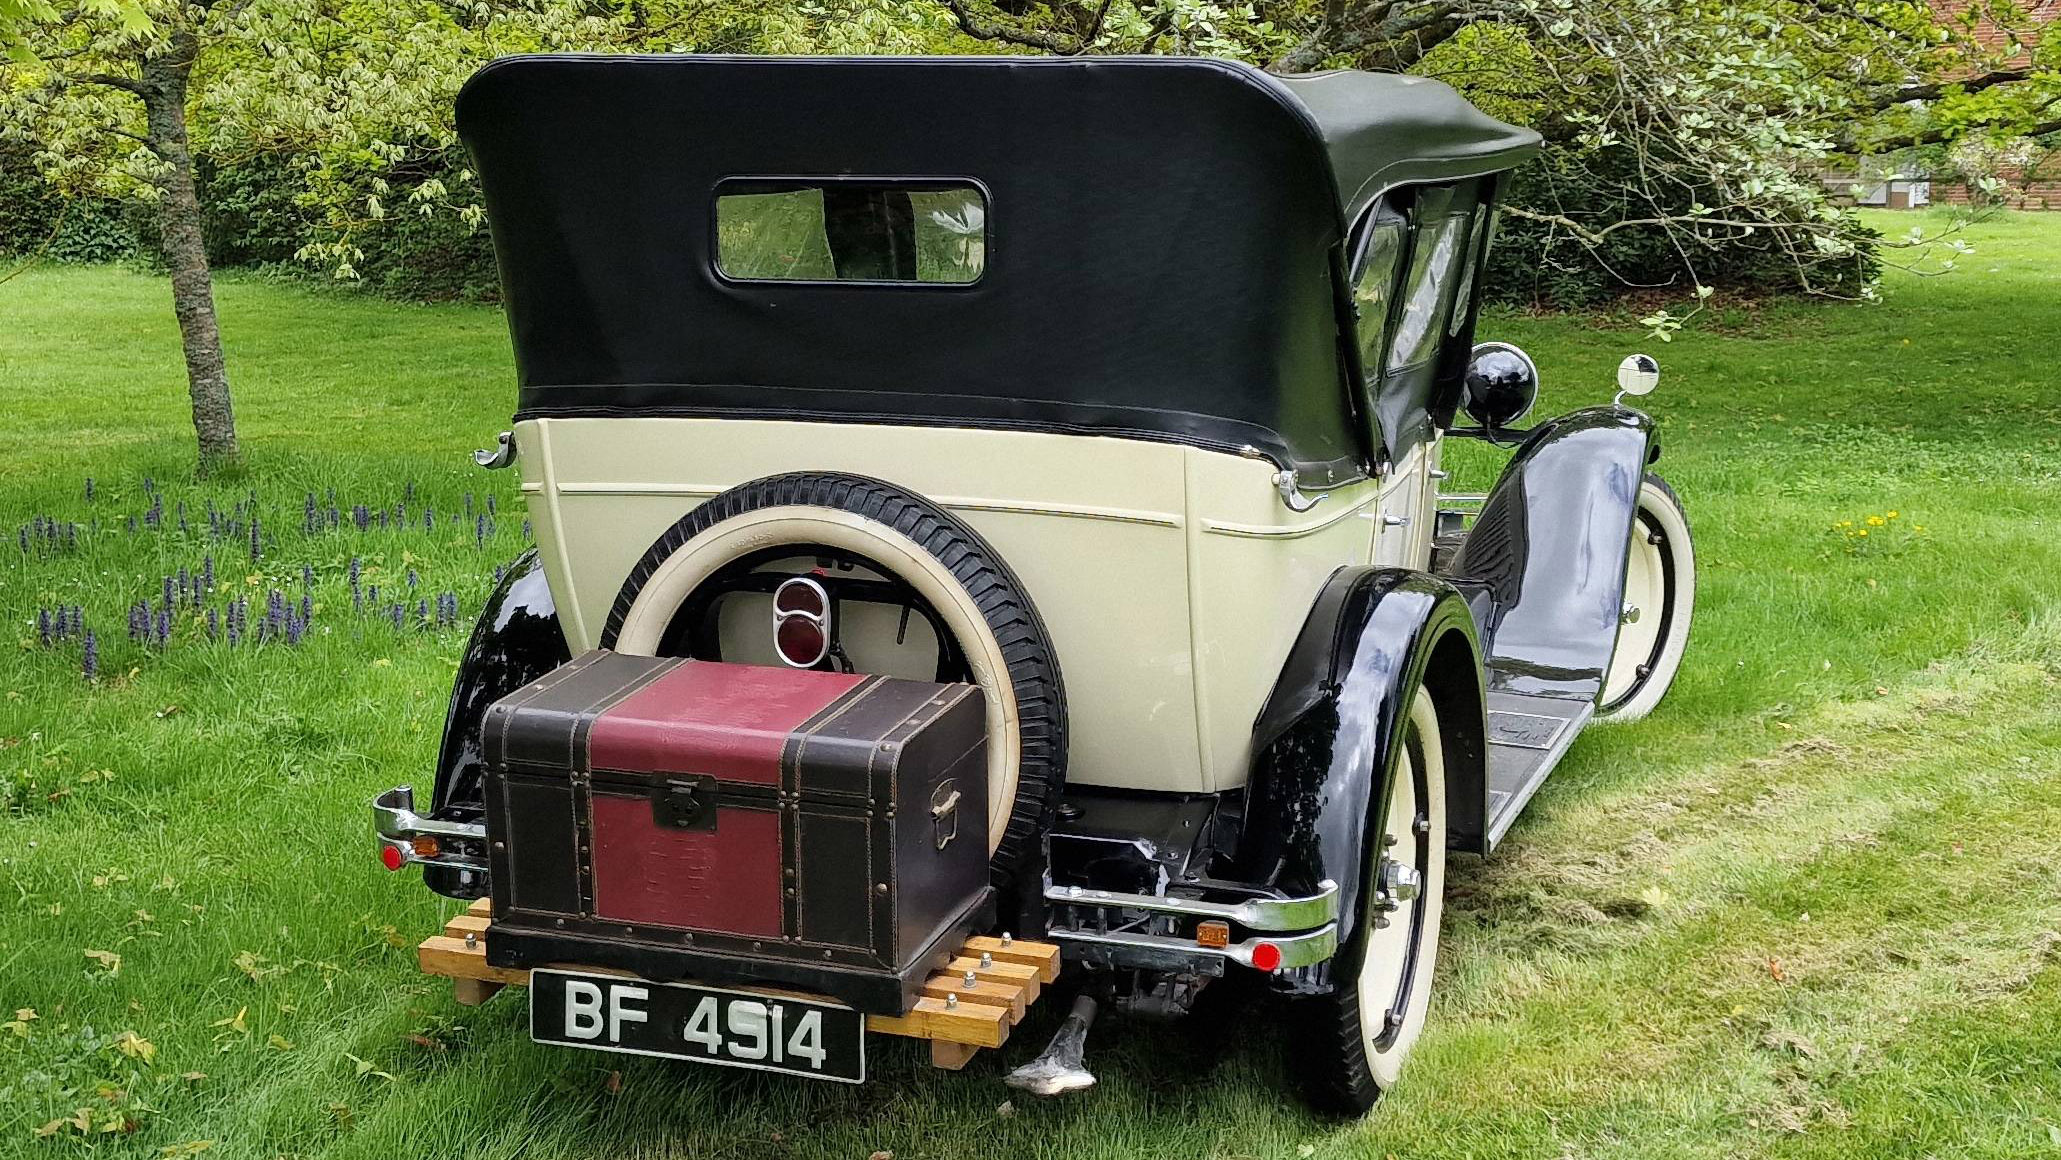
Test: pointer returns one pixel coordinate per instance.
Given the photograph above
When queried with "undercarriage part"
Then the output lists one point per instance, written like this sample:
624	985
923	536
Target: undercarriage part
1160	994
1062	1067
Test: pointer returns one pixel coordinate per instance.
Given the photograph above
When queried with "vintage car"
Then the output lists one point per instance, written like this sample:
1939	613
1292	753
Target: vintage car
1056	437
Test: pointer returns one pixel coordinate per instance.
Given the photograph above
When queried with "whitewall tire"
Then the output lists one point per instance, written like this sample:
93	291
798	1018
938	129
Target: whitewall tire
1659	603
1353	1042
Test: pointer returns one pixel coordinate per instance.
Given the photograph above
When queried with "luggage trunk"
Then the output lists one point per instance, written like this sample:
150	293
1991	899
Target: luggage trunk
724	823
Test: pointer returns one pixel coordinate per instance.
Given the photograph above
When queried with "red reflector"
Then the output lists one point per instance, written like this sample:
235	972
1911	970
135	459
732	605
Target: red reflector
391	857
802	641
801	594
1266	956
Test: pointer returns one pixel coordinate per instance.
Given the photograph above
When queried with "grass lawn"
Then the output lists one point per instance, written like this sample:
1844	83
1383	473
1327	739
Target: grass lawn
1812	908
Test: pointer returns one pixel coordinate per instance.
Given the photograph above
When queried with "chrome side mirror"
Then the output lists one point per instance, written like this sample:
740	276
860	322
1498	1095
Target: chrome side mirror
1501	386
1638	374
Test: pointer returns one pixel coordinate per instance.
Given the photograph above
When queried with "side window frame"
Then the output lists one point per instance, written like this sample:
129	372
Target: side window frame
1384	214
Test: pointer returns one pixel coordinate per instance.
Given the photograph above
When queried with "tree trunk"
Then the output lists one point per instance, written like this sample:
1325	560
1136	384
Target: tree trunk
193	293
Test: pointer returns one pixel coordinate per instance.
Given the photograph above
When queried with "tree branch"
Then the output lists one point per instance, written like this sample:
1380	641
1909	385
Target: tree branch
1937	89
979	29
113	81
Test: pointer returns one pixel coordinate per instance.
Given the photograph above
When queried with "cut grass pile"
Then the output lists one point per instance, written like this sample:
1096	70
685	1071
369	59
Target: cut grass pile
1812	908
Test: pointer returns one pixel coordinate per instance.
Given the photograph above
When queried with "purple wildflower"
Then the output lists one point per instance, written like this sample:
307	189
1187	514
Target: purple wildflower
89	489
311	516
307	608
43	626
22	537
89	663
163	626
214	624
490	505
182	517
429	519
170	592
398	613
413	579
293	629
479	531
207	572
307	575
408	494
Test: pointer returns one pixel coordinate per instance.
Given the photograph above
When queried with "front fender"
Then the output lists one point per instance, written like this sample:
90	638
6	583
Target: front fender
1543	566
1328	738
517	640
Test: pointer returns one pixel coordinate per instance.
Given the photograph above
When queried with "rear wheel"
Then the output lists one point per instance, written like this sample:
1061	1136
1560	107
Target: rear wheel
1355	1039
1659	600
914	593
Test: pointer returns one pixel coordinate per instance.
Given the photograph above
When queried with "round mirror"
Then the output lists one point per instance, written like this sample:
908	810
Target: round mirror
1638	374
1502	384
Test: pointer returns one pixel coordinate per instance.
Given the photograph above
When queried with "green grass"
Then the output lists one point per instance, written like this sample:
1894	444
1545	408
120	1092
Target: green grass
1812	908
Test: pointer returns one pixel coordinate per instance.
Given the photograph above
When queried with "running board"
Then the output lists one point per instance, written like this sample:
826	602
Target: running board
1526	736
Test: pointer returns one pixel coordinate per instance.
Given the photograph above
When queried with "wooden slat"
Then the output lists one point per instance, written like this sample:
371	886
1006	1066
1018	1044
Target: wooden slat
1043	956
443	955
983	991
466	924
482	907
933	1019
950	1056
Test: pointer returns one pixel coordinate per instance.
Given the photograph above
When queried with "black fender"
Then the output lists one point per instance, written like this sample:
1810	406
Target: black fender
1543	566
1327	741
517	640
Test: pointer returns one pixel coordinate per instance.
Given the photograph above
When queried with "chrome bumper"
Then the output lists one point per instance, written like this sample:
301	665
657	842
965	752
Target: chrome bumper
1256	913
398	825
1296	950
1157	931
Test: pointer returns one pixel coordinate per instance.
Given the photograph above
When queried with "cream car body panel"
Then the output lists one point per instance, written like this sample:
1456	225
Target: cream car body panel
1172	580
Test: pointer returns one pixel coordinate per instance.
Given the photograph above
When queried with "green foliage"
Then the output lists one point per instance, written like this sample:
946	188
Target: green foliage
37	221
1543	263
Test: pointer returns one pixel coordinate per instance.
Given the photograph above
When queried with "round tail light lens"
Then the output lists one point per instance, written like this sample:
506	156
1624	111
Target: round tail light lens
802	641
390	857
1266	956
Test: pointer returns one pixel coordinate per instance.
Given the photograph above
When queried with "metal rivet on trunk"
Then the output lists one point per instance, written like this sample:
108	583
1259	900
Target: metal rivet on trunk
987	959
1007	938
969	979
880	888
471	939
951	1000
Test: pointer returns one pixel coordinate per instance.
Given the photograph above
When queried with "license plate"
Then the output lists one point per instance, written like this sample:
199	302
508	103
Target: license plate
704	1024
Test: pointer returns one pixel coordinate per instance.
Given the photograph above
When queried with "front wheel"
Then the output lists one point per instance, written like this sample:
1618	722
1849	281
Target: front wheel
1354	1040
1659	599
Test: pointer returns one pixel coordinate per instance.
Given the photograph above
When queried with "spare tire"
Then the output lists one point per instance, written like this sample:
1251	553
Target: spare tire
964	582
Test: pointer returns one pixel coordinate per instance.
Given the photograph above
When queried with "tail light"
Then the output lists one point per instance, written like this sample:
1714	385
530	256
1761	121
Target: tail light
390	856
801	622
1266	956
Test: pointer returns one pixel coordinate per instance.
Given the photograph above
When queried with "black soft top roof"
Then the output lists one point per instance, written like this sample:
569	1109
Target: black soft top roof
1164	246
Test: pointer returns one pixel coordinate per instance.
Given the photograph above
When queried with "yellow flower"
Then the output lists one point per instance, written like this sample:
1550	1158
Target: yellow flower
1892	515
1862	532
1875	521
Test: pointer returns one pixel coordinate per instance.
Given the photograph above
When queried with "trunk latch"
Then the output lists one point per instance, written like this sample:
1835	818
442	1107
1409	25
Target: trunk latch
684	803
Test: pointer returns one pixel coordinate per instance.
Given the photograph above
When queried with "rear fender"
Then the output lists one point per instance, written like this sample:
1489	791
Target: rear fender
1327	741
1543	566
517	640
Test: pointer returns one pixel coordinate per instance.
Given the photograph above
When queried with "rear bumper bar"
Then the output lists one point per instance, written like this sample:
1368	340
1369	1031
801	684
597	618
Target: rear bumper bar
1170	952
1159	932
1254	913
419	838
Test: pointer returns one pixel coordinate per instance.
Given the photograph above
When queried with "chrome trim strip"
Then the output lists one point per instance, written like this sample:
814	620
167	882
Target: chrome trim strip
1297	950
394	818
951	502
1255	913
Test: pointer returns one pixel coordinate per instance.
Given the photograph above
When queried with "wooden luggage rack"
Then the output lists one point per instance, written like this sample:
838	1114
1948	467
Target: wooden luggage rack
970	1004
